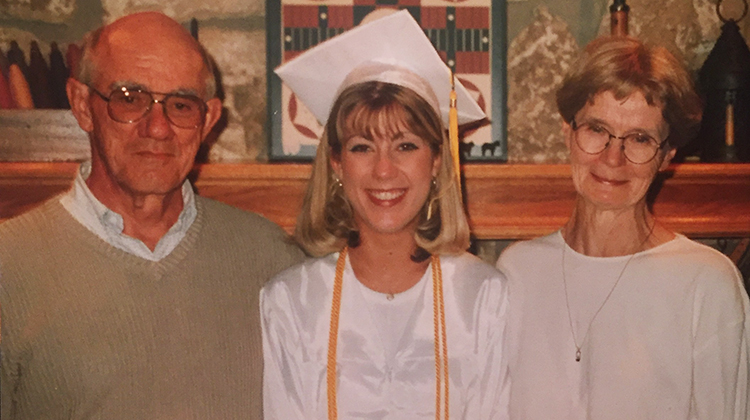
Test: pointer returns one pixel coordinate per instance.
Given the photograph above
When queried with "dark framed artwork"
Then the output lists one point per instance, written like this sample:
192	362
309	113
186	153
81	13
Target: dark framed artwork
470	35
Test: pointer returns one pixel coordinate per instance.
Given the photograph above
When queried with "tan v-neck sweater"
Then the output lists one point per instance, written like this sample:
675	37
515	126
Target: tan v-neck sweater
92	332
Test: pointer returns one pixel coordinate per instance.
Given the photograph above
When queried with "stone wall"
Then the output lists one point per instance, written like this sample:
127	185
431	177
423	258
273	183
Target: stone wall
544	37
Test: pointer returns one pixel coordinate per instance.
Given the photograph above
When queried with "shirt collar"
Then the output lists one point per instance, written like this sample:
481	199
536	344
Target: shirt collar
108	224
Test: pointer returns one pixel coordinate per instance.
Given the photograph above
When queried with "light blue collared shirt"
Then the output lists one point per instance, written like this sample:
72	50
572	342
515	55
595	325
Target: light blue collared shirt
108	225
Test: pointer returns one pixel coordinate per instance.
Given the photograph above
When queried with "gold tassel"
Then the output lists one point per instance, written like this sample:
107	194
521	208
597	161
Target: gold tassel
453	133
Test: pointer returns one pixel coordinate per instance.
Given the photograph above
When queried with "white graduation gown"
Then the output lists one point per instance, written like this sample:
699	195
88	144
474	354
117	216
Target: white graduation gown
669	344
373	381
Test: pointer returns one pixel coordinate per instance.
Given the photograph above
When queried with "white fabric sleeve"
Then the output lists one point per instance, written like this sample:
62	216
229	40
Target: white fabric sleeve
491	393
283	393
720	352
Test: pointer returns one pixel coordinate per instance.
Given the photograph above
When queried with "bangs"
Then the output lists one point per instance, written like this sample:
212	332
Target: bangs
381	110
626	72
626	85
385	120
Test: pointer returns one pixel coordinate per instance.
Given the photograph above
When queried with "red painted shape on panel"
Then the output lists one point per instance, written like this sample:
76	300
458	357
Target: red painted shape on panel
471	62
472	17
433	17
300	16
340	17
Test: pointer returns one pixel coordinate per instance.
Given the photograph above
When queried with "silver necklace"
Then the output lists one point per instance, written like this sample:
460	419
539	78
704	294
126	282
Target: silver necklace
604	302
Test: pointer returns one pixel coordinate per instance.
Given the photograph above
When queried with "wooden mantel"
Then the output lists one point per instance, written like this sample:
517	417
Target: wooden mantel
504	201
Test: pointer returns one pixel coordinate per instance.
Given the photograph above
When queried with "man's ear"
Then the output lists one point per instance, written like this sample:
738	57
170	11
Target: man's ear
213	113
78	96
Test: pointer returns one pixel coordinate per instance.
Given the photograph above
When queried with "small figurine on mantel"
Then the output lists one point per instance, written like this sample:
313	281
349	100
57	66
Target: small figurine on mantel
618	21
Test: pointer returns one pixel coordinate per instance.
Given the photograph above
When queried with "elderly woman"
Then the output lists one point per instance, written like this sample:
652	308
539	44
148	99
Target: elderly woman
393	319
615	316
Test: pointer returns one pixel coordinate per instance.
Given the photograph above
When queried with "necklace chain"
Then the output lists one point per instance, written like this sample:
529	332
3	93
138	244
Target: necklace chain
441	341
606	298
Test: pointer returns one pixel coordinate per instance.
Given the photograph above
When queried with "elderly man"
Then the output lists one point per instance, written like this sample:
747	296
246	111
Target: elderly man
129	297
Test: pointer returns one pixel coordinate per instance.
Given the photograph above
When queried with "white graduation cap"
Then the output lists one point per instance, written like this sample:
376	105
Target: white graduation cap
391	49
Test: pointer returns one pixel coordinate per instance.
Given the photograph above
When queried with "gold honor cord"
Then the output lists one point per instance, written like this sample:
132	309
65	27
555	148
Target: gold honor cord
333	334
453	133
441	340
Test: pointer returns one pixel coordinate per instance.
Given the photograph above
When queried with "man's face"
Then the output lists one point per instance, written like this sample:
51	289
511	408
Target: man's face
151	155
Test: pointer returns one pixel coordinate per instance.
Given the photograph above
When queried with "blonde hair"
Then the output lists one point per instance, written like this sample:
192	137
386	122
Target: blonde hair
326	222
624	65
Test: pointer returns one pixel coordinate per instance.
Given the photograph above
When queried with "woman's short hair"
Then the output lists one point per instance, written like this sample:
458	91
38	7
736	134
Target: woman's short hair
624	65
326	222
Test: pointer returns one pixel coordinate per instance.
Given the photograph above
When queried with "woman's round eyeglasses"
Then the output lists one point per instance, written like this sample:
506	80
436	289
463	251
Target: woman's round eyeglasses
593	139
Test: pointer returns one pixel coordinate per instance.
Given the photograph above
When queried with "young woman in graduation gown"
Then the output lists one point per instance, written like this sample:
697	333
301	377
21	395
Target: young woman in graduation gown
393	319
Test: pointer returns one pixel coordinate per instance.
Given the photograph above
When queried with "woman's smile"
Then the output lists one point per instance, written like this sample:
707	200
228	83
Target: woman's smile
387	197
606	180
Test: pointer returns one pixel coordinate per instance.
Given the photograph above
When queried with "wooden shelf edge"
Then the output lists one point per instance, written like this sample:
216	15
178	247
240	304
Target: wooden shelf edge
504	201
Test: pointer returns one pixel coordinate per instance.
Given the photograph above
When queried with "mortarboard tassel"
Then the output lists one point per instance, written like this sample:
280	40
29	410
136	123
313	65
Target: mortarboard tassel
453	132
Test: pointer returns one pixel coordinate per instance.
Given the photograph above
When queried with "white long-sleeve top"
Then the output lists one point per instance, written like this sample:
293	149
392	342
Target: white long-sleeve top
386	360
670	343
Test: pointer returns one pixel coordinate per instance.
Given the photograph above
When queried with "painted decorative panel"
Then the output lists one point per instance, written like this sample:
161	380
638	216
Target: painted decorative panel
468	34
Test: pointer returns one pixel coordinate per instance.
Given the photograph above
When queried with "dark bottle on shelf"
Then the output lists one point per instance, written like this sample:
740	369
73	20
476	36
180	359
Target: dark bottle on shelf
618	18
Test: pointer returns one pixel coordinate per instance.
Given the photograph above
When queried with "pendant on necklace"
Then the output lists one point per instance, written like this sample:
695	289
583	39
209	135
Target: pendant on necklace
389	296
578	355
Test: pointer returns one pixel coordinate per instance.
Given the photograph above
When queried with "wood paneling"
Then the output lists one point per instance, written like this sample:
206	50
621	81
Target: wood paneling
504	201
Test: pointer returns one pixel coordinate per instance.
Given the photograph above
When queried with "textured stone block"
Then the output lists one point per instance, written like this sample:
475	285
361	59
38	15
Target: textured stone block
184	10
240	57
537	60
52	11
674	24
24	41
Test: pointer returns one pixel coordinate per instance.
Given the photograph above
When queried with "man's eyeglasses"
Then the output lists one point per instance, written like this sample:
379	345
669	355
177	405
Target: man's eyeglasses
130	105
638	148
